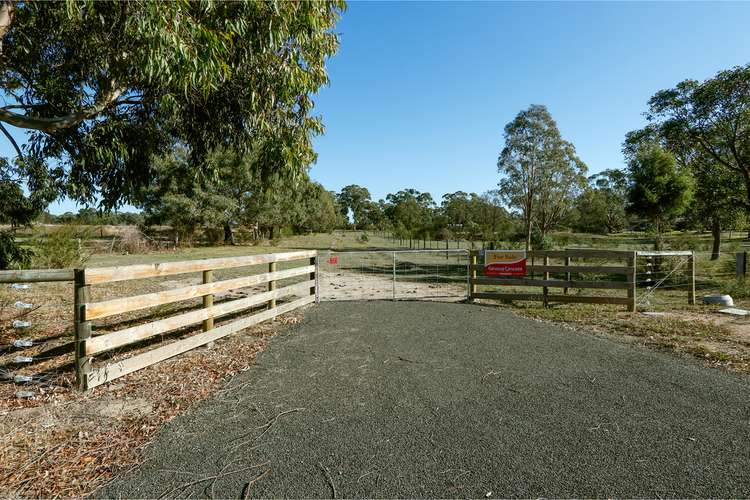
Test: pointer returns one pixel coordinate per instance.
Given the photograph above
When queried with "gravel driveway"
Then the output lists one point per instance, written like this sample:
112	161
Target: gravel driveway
420	399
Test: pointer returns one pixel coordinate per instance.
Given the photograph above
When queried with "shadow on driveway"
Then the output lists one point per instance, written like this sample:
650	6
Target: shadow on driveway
420	399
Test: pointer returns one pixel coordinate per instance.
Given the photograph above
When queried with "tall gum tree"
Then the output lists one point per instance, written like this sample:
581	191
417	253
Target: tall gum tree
707	125
100	87
540	172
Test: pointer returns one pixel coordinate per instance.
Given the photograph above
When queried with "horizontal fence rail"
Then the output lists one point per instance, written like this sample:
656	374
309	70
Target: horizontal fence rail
87	345
129	304
118	369
545	280
36	275
123	273
120	338
572	273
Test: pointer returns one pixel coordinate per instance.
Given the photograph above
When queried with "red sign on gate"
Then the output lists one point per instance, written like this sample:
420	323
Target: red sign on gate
333	260
504	263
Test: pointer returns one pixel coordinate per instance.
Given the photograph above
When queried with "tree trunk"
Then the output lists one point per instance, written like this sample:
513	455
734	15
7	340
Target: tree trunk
657	239
746	175
228	234
528	234
716	233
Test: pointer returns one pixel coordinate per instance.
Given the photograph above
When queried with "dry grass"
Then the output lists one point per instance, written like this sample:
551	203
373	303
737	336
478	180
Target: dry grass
717	340
63	443
67	444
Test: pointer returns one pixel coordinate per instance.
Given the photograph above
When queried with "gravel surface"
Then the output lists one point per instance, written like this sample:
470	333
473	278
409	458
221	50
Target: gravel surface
420	399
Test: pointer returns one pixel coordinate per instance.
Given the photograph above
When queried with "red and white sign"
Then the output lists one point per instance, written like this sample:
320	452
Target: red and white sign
505	263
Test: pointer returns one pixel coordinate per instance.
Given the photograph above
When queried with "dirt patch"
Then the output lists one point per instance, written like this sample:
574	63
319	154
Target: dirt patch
738	327
354	286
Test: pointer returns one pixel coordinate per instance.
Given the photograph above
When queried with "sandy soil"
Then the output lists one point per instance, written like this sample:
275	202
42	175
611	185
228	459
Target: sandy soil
353	286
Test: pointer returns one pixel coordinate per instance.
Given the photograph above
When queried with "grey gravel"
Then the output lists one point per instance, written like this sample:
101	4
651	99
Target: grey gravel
419	399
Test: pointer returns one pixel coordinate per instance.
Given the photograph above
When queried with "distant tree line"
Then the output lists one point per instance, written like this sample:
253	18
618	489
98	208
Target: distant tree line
218	140
413	215
688	169
93	217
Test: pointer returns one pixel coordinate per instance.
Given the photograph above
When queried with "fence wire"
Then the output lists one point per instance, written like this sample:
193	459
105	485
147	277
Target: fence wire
394	275
663	281
35	331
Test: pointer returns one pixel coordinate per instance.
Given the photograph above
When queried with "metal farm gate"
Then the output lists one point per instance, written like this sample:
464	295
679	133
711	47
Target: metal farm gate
394	275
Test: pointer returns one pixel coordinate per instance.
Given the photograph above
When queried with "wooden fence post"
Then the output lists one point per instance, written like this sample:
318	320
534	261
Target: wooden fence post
741	264
691	278
568	260
393	282
545	290
272	284
632	278
473	275
314	276
82	329
317	279
208	300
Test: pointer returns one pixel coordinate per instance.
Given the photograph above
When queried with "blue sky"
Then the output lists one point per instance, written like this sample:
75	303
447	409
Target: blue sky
420	92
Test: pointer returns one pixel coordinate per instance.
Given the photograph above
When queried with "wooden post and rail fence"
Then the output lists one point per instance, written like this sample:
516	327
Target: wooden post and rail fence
90	373
624	268
90	344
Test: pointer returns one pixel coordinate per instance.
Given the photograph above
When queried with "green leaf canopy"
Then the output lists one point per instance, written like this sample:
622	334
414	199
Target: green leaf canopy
101	87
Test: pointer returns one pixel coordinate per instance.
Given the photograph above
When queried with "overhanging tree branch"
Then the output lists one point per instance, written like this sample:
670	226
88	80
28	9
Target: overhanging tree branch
11	139
56	123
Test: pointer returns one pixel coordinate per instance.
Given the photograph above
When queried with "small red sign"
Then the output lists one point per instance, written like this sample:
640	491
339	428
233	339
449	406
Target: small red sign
333	260
515	269
504	263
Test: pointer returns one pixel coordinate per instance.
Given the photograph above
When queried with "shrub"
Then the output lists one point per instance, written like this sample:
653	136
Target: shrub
12	255
133	242
61	248
213	235
539	242
363	238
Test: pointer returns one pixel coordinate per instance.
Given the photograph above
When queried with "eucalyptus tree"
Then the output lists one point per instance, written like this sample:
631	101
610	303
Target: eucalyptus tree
235	196
720	197
707	125
101	87
355	199
540	172
411	213
601	206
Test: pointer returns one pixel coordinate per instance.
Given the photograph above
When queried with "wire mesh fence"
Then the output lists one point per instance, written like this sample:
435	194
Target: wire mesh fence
394	275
